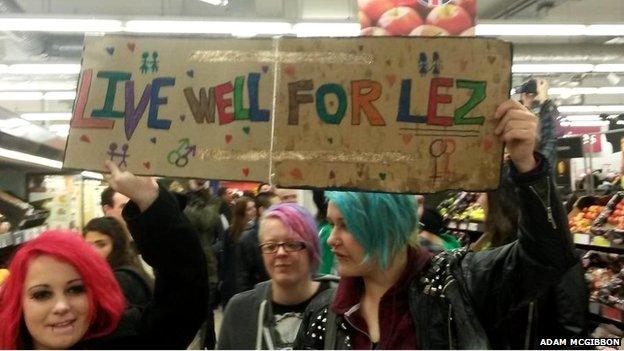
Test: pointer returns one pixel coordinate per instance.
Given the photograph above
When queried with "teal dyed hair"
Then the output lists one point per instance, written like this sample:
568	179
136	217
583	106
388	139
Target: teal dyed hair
381	223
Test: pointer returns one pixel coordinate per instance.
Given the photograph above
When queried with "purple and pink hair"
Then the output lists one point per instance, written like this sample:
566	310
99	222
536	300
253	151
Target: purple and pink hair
106	302
301	223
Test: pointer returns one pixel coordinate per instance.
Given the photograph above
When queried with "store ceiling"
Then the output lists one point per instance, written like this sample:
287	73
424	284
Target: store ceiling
46	47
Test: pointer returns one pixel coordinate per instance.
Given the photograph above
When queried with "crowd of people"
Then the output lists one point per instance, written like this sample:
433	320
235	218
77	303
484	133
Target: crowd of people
356	276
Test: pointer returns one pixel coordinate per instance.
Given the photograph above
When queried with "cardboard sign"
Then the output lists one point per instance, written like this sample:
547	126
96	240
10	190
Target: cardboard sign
380	114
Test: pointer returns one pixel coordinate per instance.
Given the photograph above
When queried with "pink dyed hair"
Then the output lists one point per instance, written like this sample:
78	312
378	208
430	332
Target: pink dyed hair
106	302
300	222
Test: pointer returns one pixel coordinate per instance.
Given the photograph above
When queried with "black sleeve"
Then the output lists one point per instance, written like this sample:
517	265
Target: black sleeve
170	245
505	278
133	289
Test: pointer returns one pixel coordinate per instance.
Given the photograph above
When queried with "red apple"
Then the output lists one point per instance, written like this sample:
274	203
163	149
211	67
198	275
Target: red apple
400	20
374	32
450	17
364	20
468	5
417	5
470	32
375	8
427	30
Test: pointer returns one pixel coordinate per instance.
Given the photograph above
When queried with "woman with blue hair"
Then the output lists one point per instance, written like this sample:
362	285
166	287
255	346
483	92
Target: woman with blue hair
268	316
395	295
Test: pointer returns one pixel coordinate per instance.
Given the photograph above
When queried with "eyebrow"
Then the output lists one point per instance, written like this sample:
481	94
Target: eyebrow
48	286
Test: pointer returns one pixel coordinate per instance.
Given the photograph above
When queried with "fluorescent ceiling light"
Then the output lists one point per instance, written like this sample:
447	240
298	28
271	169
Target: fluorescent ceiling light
71	25
28	158
566	92
552	68
59	129
60	95
591	109
47	116
216	2
582	118
21	96
44	68
608	30
617	67
530	29
207	27
37	85
326	29
88	174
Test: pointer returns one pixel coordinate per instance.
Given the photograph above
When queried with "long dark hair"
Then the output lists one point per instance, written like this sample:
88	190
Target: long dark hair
239	221
122	253
503	212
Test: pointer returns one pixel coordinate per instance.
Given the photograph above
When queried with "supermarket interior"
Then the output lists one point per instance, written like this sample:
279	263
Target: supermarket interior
566	67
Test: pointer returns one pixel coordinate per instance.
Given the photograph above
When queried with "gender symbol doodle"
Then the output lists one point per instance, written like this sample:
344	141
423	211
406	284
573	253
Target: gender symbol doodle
180	156
441	148
423	64
123	155
144	67
148	65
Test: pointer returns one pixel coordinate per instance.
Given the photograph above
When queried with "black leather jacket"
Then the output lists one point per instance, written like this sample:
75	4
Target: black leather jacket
462	292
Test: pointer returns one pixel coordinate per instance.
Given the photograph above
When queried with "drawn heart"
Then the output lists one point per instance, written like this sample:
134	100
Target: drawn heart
391	79
296	173
228	138
131	46
85	138
153	140
182	118
330	140
190	73
246	130
147	165
463	64
407	138
265	69
332	175
486	144
491	59
246	171
382	176
110	50
290	70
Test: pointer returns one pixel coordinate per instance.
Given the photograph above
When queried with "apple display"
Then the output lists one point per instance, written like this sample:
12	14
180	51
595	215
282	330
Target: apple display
364	20
450	17
374	32
469	5
427	30
373	9
470	32
400	20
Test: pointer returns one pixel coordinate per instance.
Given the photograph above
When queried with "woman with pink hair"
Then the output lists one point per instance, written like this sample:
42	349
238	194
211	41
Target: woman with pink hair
61	294
268	316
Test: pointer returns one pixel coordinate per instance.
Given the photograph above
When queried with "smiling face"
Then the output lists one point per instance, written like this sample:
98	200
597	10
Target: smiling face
349	254
103	244
284	268
55	304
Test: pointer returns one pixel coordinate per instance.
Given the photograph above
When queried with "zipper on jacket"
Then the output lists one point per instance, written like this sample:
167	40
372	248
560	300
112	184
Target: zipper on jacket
548	208
346	317
450	329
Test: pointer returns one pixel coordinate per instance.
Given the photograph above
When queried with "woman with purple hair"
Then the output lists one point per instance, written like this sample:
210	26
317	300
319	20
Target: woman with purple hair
268	317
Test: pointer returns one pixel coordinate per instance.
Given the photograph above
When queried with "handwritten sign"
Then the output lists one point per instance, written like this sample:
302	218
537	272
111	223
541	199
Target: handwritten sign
381	114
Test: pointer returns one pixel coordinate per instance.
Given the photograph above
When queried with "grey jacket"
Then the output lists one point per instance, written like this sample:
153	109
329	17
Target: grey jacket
248	319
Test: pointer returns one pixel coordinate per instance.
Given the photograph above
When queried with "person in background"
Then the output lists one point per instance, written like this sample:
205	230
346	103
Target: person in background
231	274
113	203
201	208
560	312
324	229
433	235
110	240
61	294
534	96
253	269
392	295
264	188
227	199
287	195
268	316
